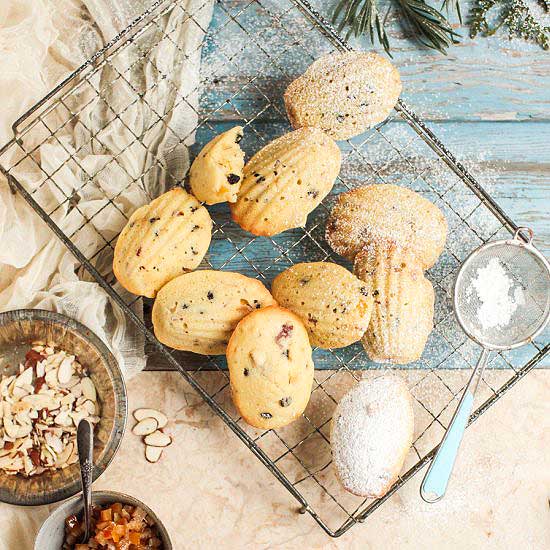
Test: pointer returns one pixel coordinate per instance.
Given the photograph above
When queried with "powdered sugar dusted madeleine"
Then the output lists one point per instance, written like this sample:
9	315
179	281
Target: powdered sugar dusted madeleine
285	181
371	433
344	94
402	315
198	311
161	240
217	172
334	305
270	367
387	212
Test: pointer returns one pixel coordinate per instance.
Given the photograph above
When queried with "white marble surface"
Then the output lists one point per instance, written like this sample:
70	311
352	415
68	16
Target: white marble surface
212	493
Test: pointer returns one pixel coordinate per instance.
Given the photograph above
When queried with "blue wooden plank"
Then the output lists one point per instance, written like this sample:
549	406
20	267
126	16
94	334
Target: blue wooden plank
483	79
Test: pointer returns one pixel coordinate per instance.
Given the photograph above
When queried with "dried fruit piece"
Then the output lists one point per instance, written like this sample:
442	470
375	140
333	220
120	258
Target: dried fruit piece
153	454
161	418
157	439
146	426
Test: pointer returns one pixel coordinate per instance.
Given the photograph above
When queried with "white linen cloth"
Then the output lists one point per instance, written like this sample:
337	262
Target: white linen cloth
41	41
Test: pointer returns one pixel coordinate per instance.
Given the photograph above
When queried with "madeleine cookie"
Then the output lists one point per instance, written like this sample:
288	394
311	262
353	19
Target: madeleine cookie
387	212
270	367
334	305
402	315
198	311
161	240
217	172
285	181
371	434
344	94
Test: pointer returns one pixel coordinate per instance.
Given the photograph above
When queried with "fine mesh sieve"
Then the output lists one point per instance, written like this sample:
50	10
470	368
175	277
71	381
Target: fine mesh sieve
502	301
529	275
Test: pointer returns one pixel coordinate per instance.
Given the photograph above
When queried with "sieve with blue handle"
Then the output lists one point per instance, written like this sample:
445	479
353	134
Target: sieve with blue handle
529	273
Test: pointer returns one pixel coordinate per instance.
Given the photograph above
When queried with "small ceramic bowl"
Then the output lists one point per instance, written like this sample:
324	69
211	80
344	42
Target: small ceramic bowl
52	532
18	329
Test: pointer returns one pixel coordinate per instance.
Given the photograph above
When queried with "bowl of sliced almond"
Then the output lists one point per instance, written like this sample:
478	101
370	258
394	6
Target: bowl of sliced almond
54	372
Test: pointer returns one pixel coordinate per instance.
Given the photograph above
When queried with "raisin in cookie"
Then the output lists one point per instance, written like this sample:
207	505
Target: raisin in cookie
344	94
198	311
371	433
216	173
285	181
334	305
161	240
270	367
384	211
402	315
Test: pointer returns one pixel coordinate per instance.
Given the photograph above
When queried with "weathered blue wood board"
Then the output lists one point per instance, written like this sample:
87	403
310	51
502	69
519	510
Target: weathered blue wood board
480	123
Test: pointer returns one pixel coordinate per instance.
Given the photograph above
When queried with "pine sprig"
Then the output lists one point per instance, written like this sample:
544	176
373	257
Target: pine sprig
429	25
362	16
431	28
515	15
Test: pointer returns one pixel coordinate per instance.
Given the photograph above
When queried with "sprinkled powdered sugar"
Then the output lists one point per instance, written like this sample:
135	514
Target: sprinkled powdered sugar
498	295
371	433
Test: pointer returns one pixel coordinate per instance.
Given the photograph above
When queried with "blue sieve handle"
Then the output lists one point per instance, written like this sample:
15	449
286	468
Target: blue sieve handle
437	477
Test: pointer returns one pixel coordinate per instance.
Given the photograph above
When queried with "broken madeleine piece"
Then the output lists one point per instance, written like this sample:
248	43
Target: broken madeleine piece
217	172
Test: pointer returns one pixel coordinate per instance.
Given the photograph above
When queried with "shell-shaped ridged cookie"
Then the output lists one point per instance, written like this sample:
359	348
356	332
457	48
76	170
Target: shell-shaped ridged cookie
403	310
198	311
270	367
334	305
216	174
371	433
161	240
285	181
344	94
387	212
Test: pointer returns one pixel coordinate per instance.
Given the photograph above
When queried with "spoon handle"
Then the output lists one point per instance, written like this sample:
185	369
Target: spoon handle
85	444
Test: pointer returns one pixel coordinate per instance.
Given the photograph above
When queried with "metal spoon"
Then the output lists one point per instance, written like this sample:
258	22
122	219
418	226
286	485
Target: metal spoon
85	444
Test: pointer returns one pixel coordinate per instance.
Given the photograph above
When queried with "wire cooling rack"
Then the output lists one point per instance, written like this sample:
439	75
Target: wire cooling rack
252	49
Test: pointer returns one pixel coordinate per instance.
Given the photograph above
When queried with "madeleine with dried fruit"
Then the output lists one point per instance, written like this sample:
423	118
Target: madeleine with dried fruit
161	240
270	367
334	305
217	172
198	311
285	181
343	94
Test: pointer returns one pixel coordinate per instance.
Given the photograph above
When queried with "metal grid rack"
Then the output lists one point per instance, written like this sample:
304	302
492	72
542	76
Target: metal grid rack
402	149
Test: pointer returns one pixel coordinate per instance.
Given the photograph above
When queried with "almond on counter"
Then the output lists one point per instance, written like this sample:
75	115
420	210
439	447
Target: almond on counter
150	423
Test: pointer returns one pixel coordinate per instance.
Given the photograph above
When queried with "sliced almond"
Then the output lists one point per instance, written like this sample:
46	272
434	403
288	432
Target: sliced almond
153	454
141	414
88	389
145	427
63	419
9	426
25	378
41	401
89	407
65	371
40	369
157	439
64	455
